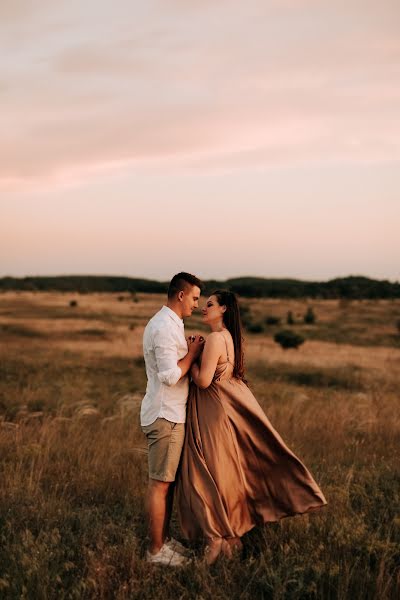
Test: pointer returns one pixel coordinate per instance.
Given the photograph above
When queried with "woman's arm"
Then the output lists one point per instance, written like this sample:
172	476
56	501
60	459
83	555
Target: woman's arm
213	348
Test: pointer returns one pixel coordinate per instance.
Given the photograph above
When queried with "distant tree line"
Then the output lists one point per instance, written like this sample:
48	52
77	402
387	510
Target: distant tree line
83	284
352	287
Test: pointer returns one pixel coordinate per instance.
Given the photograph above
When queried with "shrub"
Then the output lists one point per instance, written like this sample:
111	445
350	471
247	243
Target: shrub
309	317
255	328
73	303
288	339
289	318
92	331
272	320
20	330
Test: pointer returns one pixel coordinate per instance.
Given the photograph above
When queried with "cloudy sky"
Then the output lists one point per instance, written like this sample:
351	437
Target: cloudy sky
224	138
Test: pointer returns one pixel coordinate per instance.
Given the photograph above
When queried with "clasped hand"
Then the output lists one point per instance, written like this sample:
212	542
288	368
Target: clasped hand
195	344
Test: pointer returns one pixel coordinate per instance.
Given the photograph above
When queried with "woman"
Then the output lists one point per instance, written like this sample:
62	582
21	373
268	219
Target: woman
236	471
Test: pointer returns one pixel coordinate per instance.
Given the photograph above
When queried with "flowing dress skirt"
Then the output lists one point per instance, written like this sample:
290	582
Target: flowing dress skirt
236	471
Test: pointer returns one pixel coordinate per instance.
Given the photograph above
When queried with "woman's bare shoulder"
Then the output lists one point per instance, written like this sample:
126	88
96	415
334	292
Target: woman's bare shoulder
215	338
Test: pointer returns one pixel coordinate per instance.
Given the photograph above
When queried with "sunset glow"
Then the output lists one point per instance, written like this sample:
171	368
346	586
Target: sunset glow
228	138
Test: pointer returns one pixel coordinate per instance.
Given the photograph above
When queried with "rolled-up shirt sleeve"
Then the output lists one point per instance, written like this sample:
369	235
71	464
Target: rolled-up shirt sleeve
166	354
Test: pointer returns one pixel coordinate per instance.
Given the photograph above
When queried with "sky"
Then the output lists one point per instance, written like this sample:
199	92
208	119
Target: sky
223	138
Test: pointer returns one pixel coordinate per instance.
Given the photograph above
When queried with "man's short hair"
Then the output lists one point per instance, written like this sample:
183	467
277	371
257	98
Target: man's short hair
181	281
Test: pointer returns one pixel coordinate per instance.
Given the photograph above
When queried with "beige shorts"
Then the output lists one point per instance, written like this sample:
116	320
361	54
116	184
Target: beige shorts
165	441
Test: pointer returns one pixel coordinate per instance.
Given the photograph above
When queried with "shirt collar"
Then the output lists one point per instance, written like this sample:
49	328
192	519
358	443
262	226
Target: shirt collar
173	315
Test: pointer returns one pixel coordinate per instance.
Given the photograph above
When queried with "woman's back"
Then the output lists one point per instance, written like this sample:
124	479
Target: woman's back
226	362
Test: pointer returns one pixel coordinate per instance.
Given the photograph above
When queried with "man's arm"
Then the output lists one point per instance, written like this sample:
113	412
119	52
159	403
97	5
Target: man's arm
194	351
169	369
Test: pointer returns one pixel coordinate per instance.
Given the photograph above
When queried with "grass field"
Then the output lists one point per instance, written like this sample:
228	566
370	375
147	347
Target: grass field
73	466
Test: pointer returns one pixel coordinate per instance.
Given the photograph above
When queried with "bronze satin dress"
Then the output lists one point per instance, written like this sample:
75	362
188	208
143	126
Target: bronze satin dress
236	471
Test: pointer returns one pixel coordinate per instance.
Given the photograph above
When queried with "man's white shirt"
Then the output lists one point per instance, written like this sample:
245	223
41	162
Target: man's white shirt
164	344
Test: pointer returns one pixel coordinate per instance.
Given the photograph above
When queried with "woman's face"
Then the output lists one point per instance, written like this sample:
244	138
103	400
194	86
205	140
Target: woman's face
212	310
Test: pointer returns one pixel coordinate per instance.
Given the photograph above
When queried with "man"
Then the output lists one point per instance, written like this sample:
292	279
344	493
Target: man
168	357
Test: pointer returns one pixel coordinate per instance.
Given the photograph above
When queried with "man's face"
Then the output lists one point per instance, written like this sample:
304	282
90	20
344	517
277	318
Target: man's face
190	300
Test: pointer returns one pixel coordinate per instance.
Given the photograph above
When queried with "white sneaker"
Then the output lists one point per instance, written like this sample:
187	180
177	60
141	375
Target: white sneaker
166	556
176	546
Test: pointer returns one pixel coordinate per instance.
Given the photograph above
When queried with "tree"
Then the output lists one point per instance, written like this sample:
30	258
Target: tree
289	318
309	317
255	327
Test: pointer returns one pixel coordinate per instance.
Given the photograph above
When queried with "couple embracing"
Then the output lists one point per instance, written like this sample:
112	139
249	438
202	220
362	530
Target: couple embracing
235	471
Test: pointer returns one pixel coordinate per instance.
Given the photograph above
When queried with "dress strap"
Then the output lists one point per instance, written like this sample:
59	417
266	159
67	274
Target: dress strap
226	346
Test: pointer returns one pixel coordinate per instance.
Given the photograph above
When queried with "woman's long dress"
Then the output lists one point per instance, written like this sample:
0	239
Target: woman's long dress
236	471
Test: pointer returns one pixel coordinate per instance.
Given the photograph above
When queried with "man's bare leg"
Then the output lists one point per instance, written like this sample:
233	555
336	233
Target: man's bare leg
157	495
168	512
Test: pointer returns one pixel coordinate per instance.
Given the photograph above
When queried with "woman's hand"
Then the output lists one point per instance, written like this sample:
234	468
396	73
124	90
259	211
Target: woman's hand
192	338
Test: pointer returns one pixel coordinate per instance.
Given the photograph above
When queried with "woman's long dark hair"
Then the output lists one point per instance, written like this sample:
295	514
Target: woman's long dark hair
233	323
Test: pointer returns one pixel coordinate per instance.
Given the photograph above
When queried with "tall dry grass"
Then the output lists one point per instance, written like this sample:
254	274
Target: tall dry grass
73	466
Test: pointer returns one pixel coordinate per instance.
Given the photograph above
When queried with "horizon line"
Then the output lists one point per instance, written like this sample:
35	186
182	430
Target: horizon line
282	278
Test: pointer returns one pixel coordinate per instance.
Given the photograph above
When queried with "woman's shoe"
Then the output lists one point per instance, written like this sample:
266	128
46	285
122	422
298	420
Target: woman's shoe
232	547
213	550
